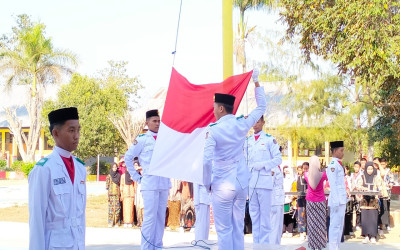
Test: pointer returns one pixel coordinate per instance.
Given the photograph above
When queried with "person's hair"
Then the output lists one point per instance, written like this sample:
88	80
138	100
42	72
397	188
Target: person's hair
347	168
363	159
116	164
228	108
262	118
377	158
147	119
300	167
305	163
280	149
53	125
358	163
383	160
333	150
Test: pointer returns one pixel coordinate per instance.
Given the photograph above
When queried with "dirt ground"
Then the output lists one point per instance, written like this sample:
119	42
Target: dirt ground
96	212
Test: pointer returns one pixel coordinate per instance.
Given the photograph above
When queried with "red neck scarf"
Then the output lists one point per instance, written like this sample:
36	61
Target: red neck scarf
69	164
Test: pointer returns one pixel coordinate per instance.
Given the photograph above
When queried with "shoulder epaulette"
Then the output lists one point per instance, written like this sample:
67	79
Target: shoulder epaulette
80	160
141	135
42	161
268	135
212	124
240	117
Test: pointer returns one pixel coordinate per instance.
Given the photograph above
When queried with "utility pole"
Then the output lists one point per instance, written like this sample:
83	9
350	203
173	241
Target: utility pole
227	38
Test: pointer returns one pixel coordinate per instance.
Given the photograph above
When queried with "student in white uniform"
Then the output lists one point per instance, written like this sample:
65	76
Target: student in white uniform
277	202
337	196
154	189
224	158
57	189
263	154
202	201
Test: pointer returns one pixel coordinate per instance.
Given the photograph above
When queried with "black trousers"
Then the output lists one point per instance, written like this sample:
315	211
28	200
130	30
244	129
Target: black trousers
384	213
288	223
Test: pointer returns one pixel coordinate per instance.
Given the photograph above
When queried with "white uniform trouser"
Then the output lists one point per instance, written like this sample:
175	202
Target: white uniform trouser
260	213
202	226
228	209
155	205
276	220
336	225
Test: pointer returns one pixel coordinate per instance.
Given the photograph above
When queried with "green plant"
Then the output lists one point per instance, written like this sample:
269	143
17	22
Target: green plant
20	166
104	168
3	165
26	167
16	166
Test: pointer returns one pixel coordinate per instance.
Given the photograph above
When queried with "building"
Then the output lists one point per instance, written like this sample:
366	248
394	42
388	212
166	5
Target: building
15	99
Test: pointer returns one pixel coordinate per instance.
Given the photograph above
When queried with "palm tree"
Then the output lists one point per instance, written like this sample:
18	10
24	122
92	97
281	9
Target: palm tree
243	30
29	58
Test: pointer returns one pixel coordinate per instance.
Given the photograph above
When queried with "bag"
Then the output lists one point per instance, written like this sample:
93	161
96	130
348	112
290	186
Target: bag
247	220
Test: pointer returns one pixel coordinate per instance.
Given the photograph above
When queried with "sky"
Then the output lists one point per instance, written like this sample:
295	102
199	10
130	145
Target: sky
140	32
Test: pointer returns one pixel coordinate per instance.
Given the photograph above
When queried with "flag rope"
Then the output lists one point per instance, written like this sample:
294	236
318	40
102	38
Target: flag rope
177	32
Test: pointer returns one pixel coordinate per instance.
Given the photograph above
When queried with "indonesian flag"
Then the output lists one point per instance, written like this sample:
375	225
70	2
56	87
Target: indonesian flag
188	111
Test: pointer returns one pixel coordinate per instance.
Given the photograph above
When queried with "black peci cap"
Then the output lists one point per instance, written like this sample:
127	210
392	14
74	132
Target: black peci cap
151	113
62	115
224	99
336	144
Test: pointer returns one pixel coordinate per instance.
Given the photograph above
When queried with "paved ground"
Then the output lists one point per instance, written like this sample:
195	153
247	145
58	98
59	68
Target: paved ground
14	236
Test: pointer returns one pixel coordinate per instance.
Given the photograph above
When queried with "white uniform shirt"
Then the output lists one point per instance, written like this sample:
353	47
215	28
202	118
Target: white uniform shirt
223	151
278	193
200	195
338	194
143	149
355	179
56	206
263	152
288	185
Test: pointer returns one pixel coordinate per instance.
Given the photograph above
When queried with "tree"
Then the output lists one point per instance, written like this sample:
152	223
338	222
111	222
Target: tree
360	37
28	57
243	30
116	75
386	130
97	99
128	128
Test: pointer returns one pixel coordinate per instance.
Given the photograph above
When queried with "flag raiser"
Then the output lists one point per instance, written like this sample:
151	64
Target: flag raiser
188	111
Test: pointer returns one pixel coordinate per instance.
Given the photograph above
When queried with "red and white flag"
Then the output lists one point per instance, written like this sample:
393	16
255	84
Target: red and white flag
188	111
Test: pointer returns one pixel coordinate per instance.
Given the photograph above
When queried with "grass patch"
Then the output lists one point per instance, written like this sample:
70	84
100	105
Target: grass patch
96	212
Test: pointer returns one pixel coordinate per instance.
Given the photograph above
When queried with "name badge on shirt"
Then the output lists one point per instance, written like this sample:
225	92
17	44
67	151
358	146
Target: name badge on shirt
59	181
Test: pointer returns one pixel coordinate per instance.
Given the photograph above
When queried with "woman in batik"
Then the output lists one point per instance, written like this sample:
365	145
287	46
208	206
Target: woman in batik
128	189
316	205
114	206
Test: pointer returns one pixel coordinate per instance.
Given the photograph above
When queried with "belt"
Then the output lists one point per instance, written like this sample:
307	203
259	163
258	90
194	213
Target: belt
66	223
